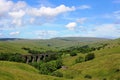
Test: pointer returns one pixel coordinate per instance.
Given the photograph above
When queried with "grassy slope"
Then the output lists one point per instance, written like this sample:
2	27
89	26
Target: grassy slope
105	64
15	46
40	45
82	39
20	71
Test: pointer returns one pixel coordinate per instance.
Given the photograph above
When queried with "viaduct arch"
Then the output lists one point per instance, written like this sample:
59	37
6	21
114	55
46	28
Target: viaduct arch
34	57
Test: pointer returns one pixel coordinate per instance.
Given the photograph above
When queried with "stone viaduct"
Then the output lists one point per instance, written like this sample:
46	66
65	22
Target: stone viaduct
34	57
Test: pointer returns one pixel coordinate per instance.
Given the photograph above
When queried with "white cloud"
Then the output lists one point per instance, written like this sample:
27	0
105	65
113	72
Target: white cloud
71	26
84	7
32	20
17	14
80	29
14	33
104	30
17	22
81	20
17	17
12	13
46	33
9	5
19	5
5	6
48	11
116	14
1	34
74	25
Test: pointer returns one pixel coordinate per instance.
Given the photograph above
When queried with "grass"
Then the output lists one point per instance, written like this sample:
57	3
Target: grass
98	68
70	60
20	71
105	66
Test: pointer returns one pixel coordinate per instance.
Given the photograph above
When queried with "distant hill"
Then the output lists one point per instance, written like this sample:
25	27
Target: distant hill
7	39
16	45
82	39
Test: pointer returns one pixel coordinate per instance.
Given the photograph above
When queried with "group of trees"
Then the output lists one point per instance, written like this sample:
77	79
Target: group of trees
11	57
50	64
49	67
32	51
52	56
87	57
83	49
73	50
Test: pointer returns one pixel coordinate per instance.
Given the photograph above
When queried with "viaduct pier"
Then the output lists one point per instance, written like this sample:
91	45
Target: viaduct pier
34	57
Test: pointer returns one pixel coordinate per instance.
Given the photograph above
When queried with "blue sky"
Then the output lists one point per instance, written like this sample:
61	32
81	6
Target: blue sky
43	19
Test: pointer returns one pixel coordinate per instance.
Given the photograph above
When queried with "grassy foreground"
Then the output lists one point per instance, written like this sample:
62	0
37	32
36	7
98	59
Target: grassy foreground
102	68
20	71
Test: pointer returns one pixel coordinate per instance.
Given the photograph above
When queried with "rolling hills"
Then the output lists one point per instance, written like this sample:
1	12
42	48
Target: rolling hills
82	39
15	45
105	65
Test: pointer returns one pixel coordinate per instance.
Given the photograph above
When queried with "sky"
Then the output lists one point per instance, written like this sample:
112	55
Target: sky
44	19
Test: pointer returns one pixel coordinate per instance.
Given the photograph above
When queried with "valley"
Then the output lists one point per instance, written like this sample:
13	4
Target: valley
72	63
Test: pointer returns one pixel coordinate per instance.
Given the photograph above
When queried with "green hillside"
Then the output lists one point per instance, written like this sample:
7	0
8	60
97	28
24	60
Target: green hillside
105	65
15	45
82	39
102	67
20	71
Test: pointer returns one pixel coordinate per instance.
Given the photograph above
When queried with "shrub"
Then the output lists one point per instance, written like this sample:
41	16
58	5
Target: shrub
85	49
89	56
117	70
79	59
15	57
59	63
49	67
88	76
48	45
36	64
73	53
11	57
57	74
52	56
104	79
4	56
